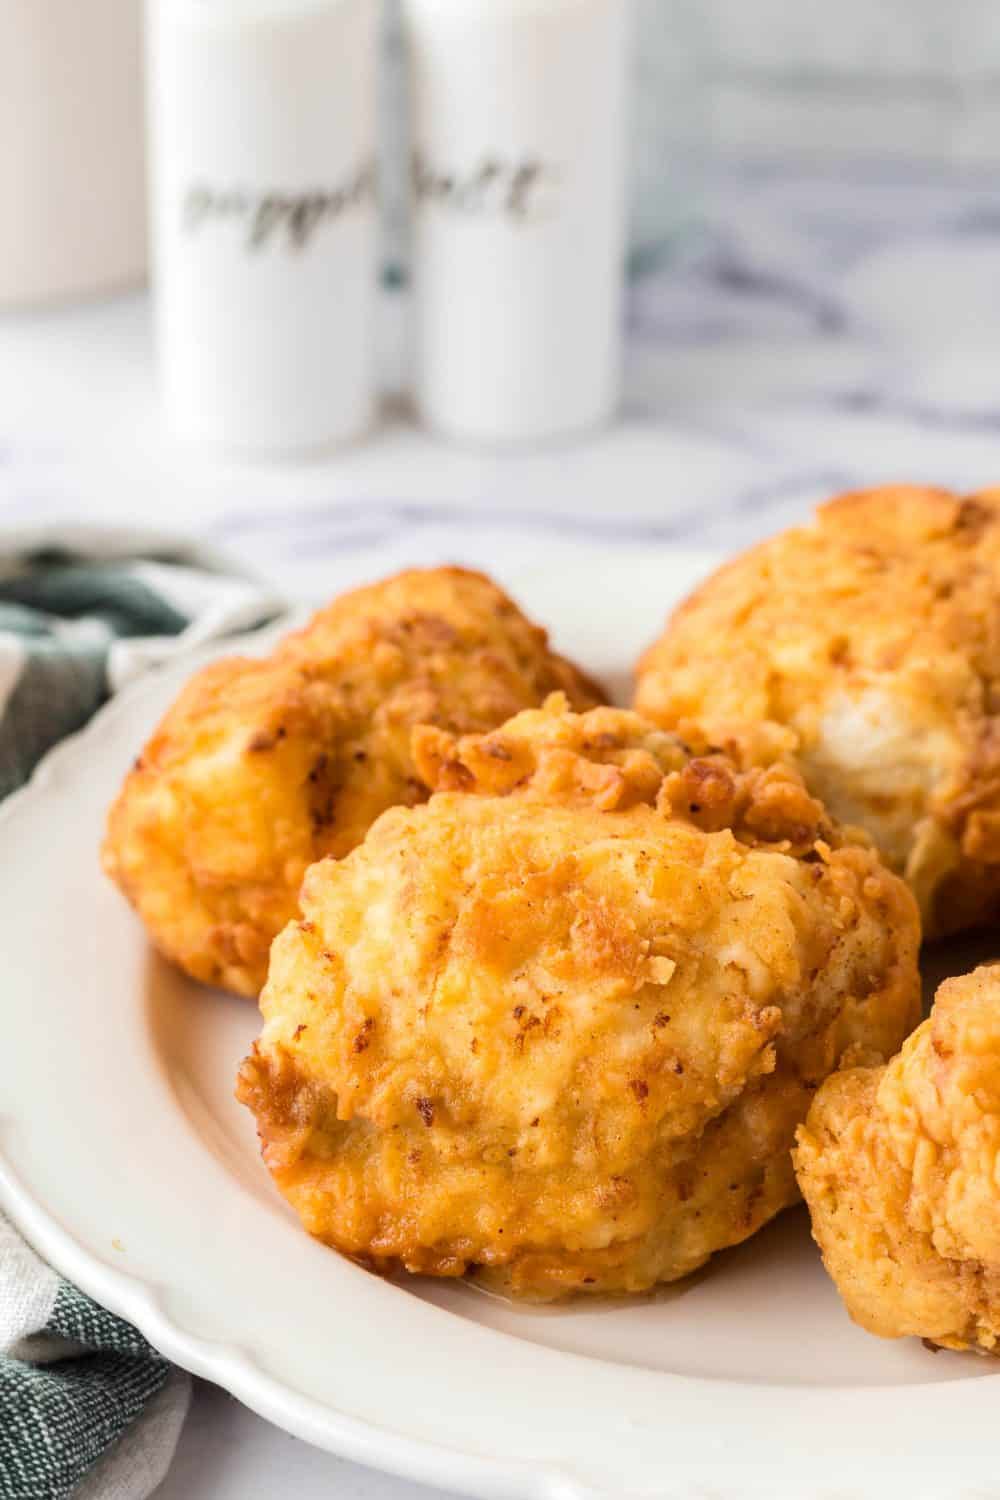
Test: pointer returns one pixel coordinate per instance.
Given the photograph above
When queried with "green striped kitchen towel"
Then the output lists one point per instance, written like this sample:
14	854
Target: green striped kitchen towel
86	1406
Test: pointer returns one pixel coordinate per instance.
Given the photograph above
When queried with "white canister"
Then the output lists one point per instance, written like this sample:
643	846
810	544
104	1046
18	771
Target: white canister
262	130
519	176
72	206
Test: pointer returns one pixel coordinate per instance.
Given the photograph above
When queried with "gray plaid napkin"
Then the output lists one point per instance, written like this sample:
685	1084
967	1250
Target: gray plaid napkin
86	1405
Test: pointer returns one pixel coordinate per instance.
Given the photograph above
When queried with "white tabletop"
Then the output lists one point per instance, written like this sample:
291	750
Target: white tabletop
815	336
227	1453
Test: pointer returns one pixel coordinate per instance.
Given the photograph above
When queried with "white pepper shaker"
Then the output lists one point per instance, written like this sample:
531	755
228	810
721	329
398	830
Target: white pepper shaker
519	180
262	132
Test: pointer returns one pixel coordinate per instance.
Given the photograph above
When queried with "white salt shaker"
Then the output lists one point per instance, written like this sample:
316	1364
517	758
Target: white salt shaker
519	182
262	131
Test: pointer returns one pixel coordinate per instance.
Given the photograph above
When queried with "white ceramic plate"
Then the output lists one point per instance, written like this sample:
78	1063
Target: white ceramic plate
129	1165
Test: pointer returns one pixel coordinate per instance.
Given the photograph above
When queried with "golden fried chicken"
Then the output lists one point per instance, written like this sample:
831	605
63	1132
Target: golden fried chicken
874	635
900	1167
558	1025
263	766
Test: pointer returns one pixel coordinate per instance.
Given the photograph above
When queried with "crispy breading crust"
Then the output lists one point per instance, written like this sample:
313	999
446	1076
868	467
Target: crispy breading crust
558	1025
263	766
874	634
900	1166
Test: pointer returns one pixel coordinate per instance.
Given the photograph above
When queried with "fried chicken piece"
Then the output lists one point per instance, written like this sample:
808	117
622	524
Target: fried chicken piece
262	767
558	1025
900	1167
873	634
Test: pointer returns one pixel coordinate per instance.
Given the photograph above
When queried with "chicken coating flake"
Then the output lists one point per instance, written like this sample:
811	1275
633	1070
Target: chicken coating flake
873	634
558	1025
900	1167
262	767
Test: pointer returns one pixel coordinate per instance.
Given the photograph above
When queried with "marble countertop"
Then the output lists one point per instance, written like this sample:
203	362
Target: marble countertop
809	333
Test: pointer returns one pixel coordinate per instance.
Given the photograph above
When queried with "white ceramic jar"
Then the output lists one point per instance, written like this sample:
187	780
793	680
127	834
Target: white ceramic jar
72	200
519	182
262	131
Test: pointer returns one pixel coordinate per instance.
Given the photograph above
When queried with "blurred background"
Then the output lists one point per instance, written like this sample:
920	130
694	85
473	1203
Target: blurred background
813	235
905	82
902	80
